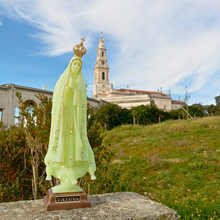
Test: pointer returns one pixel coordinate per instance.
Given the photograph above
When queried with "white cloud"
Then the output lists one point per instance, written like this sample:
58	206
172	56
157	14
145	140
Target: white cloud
159	43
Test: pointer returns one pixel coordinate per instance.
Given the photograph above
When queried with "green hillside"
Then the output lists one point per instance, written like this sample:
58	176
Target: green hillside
176	163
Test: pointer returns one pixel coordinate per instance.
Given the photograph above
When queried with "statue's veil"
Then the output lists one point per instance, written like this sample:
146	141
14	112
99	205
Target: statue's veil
55	149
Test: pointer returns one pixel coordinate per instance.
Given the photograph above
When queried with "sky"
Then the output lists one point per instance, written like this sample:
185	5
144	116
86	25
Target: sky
150	44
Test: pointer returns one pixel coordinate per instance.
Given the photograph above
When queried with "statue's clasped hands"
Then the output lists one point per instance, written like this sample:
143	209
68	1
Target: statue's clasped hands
70	92
70	86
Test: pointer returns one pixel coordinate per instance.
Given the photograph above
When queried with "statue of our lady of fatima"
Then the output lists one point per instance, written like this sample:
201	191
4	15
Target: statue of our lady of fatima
70	155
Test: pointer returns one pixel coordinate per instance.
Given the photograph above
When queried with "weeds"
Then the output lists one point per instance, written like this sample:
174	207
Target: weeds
176	163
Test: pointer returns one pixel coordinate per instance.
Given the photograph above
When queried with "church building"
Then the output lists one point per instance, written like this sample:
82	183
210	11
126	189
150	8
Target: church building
126	98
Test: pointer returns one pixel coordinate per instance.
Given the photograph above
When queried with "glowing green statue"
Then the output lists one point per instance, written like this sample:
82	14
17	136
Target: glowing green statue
70	155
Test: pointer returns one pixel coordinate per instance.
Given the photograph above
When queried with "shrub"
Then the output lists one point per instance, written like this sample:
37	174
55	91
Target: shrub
22	151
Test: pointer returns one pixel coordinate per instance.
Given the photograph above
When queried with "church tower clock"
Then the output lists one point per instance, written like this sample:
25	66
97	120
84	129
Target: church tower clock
101	72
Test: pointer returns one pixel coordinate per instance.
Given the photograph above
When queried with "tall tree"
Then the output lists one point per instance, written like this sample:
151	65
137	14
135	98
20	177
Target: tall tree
108	115
217	100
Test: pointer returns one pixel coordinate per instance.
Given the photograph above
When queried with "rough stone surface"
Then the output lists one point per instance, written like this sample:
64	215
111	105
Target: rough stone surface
127	205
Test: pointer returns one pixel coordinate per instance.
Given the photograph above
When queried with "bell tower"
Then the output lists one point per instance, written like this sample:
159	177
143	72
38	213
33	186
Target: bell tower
101	72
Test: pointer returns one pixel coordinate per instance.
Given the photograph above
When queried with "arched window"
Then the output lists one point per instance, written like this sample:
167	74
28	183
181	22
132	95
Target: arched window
16	116
29	108
1	114
103	75
103	54
165	107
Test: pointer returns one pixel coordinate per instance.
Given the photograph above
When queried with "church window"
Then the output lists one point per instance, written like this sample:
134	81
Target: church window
165	107
103	75
1	115
16	115
29	107
103	54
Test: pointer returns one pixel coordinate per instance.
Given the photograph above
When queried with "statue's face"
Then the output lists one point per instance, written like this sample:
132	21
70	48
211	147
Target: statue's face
76	66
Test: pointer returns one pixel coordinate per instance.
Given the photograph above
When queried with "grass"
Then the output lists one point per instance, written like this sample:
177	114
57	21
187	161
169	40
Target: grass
176	163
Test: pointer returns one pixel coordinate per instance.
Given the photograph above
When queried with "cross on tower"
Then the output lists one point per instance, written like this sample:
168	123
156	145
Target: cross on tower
101	34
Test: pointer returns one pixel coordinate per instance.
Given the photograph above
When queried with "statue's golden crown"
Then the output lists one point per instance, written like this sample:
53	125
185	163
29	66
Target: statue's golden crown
79	50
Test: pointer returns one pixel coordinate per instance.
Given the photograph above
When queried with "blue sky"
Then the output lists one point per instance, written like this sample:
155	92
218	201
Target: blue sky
150	44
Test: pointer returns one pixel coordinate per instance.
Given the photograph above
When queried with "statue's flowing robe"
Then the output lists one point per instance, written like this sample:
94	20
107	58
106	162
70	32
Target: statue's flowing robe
80	152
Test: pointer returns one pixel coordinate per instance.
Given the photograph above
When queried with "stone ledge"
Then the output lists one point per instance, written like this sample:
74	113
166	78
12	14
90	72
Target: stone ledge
126	205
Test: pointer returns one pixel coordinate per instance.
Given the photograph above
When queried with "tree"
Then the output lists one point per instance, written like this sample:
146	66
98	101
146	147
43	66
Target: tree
217	100
37	130
108	115
125	117
197	110
212	109
95	131
143	114
13	164
156	113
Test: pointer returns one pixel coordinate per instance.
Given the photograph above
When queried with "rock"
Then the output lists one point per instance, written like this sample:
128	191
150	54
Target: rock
126	205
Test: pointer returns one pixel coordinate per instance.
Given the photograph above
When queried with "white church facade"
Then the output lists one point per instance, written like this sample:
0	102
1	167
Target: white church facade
126	98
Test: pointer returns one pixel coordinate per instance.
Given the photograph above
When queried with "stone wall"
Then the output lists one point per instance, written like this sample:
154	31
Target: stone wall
127	205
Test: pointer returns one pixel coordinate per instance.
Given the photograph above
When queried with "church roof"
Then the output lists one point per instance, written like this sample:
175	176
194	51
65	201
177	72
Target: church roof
27	88
178	101
141	91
